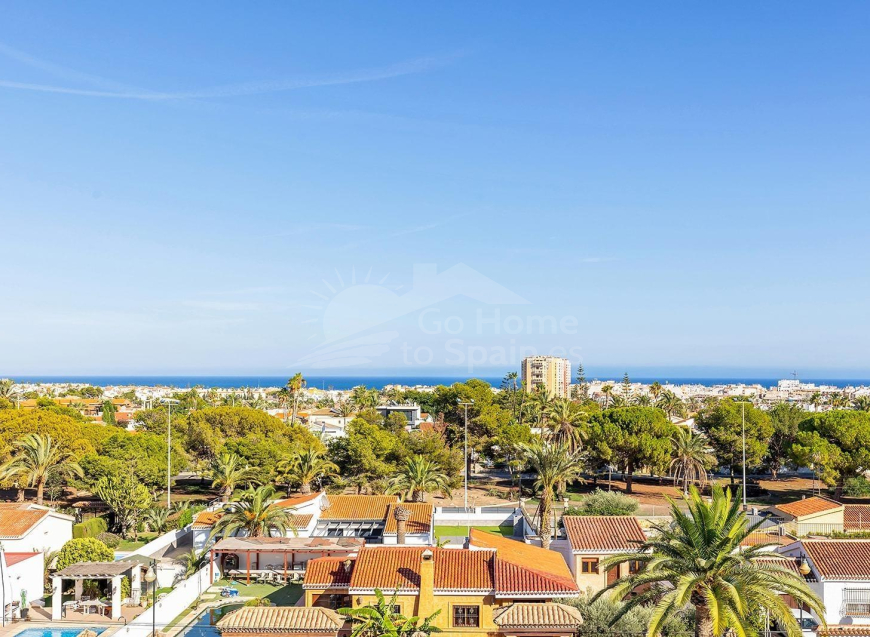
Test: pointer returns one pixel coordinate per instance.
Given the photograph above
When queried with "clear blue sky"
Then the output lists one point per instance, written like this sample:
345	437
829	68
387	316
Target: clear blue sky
180	187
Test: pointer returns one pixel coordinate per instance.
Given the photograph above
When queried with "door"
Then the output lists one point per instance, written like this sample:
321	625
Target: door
612	575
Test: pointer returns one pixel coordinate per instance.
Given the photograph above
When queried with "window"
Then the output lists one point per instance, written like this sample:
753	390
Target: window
634	566
856	602
466	616
589	565
339	601
396	609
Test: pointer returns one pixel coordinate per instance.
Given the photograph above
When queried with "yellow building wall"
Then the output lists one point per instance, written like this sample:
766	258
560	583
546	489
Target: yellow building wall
409	606
594	581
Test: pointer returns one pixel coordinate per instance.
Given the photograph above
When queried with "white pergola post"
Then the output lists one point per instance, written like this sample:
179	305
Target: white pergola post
116	597
80	583
56	598
136	586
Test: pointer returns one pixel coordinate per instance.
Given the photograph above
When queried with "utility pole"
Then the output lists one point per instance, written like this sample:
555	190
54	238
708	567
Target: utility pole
743	435
169	402
466	451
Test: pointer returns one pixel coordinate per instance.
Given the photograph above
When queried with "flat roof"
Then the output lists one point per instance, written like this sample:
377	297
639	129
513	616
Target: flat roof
96	570
287	544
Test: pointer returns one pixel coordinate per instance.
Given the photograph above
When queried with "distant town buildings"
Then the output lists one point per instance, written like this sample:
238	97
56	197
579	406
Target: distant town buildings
551	372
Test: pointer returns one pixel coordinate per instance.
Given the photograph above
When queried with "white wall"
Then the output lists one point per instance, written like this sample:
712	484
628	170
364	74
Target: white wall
49	534
26	575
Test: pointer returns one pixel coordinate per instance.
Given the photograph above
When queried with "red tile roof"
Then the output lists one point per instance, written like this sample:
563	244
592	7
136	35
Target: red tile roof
16	522
358	507
856	517
15	558
281	619
844	630
521	567
392	568
296	500
206	519
840	559
326	572
809	506
528	615
603	533
419	522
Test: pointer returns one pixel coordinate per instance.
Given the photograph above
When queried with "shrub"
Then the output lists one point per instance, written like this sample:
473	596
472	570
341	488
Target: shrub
110	539
605	503
857	487
184	518
90	528
84	549
598	615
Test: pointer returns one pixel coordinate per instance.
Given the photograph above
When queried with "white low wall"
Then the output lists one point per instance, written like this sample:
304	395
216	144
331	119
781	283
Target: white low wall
476	516
159	545
171	606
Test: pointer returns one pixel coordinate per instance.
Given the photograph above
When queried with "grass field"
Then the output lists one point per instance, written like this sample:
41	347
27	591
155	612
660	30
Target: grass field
278	595
445	531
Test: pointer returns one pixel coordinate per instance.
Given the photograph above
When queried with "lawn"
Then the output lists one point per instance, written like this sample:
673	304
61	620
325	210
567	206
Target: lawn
279	595
132	545
460	531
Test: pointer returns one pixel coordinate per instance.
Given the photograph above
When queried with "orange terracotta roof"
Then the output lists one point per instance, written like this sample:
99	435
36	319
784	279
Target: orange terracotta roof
809	506
521	567
328	572
603	532
296	500
14	558
790	563
840	559
844	630
856	517
281	619
358	507
302	521
398	567
762	537
206	519
17	522
547	615
419	522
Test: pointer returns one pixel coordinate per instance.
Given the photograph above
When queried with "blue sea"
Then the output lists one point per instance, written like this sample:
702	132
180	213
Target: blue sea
347	382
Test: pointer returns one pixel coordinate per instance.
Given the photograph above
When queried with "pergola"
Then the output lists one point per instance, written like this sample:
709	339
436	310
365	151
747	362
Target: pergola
288	548
113	571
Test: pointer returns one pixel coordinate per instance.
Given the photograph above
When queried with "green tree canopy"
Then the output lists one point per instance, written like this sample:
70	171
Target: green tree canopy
836	443
786	419
83	549
722	423
631	438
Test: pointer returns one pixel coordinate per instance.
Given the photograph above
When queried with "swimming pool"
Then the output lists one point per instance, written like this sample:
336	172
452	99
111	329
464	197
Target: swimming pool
204	624
58	632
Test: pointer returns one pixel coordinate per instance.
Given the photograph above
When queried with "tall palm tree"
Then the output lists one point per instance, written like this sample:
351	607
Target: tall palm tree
227	472
542	401
295	385
642	400
417	477
345	409
555	464
690	458
38	459
816	400
699	560
671	404
254	516
305	467
607	390
655	390
363	397
566	421
509	385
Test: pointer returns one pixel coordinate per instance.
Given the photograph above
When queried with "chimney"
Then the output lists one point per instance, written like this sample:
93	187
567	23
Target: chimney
426	600
402	516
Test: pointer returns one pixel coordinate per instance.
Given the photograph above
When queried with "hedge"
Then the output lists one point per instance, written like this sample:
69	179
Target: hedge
90	528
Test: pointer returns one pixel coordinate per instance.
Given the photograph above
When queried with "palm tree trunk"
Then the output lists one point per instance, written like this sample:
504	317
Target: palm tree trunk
295	404
703	620
225	494
546	506
40	488
306	488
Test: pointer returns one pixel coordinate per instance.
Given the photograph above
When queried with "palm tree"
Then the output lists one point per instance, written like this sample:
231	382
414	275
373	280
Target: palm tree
542	401
555	464
642	400
607	390
655	390
691	458
193	561
254	516
156	519
861	403
295	385
816	400
345	409
417	477
564	420
699	560
509	385
381	619
6	385
307	466
37	460
226	472
671	404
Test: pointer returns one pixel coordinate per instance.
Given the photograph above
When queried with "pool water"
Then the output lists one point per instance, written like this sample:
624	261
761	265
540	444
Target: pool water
58	632
204	624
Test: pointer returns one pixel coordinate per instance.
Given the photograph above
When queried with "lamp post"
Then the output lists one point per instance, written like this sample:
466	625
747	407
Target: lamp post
743	437
169	402
151	578
471	402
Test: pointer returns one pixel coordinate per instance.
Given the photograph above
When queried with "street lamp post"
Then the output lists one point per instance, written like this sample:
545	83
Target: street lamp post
743	436
151	578
466	451
169	402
